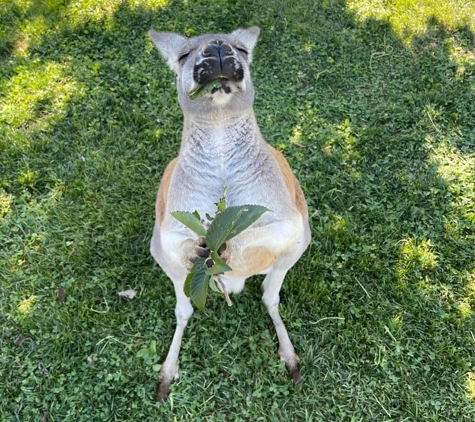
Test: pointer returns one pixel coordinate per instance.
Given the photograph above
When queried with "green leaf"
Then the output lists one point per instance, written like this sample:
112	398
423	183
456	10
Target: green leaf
213	286
191	221
197	266
221	204
231	222
219	266
196	284
143	353
201	90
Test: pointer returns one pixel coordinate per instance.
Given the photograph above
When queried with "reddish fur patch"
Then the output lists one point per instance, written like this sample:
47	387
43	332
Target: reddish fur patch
251	261
291	181
161	204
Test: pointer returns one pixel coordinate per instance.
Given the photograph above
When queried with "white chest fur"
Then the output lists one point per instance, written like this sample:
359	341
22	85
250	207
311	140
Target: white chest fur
231	155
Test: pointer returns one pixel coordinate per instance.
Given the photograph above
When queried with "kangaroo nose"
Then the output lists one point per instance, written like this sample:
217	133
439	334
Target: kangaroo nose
218	49
217	60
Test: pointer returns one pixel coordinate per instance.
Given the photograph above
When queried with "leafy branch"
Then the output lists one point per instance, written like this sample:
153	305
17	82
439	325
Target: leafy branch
226	224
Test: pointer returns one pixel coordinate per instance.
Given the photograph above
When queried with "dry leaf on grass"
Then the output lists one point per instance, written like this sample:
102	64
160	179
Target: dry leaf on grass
129	294
61	295
20	340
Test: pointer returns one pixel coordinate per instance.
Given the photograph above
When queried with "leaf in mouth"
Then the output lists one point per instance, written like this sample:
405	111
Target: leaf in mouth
201	90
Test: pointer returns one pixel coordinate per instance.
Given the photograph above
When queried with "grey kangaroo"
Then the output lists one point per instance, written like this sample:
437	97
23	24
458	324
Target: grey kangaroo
222	147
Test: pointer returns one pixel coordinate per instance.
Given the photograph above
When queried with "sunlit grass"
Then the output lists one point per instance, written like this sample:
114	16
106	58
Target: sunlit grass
84	12
416	258
6	202
36	96
26	305
456	168
465	308
151	4
470	386
409	18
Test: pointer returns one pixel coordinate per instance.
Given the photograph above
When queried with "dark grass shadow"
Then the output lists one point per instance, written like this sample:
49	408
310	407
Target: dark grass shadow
376	305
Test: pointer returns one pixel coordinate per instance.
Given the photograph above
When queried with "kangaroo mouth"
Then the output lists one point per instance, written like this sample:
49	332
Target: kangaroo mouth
218	84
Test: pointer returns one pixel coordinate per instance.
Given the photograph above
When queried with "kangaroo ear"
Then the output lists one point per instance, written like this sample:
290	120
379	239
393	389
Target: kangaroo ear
169	45
247	37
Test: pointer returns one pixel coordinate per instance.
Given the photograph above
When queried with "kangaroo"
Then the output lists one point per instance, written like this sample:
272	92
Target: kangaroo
222	147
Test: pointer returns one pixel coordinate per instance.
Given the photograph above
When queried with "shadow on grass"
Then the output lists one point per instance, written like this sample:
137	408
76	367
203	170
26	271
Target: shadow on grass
380	307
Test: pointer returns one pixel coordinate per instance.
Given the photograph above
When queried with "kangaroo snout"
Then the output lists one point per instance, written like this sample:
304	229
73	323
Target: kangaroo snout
217	60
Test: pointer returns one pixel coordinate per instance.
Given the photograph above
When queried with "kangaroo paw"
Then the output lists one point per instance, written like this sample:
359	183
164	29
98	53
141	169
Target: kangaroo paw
295	375
163	390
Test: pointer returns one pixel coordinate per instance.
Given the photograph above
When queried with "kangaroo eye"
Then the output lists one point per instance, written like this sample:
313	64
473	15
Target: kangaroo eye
183	57
242	50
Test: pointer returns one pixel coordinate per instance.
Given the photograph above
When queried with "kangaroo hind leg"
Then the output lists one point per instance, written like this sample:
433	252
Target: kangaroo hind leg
270	288
169	370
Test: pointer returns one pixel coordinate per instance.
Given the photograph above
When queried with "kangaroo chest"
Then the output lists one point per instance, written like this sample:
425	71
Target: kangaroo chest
233	156
223	156
223	152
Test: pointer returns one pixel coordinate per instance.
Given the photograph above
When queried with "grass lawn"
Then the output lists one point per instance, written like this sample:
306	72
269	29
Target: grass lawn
373	103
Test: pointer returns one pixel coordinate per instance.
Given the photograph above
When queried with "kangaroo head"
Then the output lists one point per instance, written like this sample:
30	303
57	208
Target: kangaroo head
219	62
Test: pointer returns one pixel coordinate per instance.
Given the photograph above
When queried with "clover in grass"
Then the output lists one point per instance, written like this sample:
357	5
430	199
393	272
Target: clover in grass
226	224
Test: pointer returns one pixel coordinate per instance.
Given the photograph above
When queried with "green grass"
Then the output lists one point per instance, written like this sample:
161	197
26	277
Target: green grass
380	308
